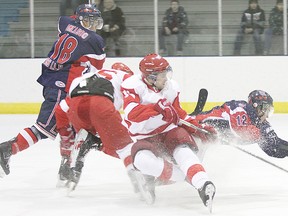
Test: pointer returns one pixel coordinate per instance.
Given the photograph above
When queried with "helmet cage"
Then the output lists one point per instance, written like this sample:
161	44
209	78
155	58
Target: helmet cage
262	102
89	14
265	109
91	20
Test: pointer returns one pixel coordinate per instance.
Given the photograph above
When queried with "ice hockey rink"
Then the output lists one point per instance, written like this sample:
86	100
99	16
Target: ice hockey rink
245	185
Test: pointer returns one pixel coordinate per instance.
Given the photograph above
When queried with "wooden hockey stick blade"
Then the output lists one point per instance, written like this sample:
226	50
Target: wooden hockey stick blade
202	98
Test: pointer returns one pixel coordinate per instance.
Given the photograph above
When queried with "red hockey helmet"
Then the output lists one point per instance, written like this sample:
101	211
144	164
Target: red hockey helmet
153	64
122	67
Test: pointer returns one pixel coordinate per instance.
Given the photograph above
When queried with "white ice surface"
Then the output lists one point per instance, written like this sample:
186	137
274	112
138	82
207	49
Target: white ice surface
245	185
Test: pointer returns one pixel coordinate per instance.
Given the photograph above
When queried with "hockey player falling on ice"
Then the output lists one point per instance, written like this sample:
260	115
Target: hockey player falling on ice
246	122
92	120
77	49
152	111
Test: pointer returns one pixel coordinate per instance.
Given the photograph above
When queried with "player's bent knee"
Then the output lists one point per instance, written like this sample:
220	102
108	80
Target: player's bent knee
144	160
142	145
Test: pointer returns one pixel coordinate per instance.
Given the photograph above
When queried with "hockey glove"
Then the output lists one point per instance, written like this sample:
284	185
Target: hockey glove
210	136
67	138
167	110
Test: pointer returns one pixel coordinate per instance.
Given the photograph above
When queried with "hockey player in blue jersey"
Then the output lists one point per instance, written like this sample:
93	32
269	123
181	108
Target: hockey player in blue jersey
246	122
77	49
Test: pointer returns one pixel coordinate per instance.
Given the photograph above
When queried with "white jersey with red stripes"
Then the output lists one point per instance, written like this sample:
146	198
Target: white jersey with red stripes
139	100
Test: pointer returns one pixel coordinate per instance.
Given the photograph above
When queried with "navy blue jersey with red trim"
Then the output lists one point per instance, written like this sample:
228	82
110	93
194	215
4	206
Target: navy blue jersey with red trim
242	118
75	52
269	142
251	112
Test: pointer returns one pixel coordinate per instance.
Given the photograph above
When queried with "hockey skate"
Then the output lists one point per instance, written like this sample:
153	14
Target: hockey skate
84	142
146	187
5	154
64	173
75	176
207	193
132	177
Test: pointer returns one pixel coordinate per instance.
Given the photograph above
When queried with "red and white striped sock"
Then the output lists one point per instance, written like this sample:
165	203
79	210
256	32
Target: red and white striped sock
191	165
24	140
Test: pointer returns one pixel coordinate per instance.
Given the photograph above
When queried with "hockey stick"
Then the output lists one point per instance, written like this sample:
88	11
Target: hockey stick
193	126
202	97
257	157
235	146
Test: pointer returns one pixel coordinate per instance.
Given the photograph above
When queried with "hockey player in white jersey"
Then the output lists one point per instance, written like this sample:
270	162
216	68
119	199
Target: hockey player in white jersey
152	112
116	77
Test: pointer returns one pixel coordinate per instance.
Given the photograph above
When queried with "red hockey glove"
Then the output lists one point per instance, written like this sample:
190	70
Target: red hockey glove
67	137
210	136
167	110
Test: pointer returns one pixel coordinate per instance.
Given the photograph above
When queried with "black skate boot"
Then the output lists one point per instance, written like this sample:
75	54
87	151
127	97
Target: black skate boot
90	142
5	154
146	186
84	142
207	193
64	173
75	175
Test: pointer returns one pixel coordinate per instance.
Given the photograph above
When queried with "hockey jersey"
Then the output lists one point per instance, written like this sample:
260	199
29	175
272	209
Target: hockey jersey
139	113
116	77
76	50
238	119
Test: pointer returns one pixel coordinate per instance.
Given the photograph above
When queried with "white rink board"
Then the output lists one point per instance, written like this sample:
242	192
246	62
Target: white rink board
225	78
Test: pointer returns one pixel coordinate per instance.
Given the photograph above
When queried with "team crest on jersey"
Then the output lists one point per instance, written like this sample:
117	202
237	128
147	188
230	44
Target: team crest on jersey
60	84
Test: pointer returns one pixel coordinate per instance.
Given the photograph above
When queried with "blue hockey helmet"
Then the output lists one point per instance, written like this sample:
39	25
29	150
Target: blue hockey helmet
262	102
89	16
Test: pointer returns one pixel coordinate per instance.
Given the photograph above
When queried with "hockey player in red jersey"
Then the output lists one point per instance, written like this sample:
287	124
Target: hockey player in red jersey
90	111
152	112
246	122
77	49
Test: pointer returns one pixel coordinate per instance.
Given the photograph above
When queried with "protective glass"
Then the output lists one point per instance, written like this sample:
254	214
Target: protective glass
166	74
160	78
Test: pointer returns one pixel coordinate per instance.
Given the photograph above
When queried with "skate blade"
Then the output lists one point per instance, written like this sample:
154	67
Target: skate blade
61	183
148	197
71	186
2	173
210	192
